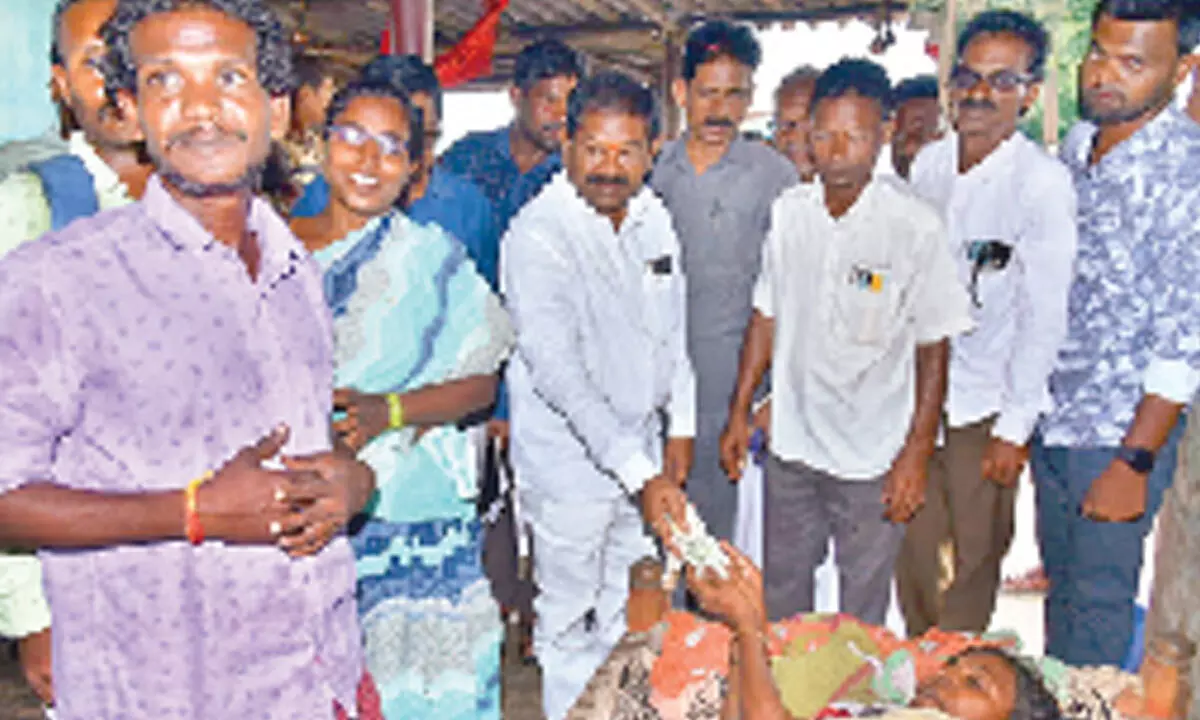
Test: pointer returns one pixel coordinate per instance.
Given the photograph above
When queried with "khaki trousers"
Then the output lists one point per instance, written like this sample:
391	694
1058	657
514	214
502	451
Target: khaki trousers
973	514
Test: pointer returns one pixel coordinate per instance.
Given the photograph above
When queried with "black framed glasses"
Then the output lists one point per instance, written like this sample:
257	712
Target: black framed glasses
357	136
964	78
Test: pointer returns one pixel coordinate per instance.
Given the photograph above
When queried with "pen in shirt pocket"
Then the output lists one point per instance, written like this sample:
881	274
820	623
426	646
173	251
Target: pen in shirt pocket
865	279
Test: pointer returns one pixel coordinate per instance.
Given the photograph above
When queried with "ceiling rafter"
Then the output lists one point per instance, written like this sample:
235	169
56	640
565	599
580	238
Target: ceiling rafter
629	33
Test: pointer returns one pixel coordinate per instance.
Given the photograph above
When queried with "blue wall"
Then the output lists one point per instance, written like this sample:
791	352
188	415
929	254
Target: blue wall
25	106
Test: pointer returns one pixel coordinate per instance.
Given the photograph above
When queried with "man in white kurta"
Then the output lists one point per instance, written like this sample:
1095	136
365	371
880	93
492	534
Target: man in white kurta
1009	208
600	377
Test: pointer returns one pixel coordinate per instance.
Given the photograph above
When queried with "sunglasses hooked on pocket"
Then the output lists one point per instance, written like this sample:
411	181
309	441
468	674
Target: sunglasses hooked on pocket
986	255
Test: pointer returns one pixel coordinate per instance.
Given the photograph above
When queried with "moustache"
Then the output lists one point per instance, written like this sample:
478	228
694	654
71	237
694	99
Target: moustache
614	180
718	122
554	128
976	104
1103	89
209	134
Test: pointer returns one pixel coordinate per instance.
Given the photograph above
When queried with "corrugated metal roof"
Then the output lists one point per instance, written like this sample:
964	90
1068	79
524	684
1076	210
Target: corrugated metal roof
629	34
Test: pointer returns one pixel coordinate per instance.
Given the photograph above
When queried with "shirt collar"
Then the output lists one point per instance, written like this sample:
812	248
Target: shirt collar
280	248
1168	124
502	142
863	204
997	161
676	153
577	206
104	177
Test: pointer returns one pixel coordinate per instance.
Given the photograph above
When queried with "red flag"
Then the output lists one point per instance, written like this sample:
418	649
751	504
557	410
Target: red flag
471	56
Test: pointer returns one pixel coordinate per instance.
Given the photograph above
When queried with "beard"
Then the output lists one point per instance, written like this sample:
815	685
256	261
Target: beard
1159	99
251	180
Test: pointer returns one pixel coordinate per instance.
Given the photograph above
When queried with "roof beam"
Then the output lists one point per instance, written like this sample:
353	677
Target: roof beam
579	30
652	10
829	11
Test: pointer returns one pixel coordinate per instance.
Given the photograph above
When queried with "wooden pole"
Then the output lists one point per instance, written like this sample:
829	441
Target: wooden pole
412	28
1050	105
946	53
672	42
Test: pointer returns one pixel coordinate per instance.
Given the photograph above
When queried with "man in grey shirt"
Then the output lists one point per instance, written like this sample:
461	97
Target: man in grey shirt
719	190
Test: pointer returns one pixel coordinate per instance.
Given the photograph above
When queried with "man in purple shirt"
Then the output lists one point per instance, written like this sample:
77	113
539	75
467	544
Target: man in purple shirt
182	342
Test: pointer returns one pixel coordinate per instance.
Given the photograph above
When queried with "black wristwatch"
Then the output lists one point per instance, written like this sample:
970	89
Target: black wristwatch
1140	459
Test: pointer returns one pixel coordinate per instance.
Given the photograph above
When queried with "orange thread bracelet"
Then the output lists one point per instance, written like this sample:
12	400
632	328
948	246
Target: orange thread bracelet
191	518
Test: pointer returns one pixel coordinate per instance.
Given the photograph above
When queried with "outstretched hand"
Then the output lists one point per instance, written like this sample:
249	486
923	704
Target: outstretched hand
737	599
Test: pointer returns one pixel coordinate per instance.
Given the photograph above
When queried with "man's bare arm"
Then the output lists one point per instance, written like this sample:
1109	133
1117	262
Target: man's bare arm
757	347
238	505
933	360
42	515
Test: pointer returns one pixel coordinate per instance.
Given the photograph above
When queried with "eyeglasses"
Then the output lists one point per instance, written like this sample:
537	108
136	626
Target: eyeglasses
356	136
964	78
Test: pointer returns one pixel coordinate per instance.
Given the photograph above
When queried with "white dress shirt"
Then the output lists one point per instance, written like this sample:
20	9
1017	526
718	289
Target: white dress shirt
1023	197
852	298
601	353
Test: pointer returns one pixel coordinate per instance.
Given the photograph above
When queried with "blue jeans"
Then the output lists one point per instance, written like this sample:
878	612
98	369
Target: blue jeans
1093	567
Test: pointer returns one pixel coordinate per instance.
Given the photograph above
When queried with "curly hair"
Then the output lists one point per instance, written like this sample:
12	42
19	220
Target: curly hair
1032	700
378	88
716	39
1009	22
274	56
543	60
616	92
1180	12
855	76
409	72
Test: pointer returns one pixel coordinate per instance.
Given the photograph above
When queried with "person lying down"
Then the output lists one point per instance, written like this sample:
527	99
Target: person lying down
979	683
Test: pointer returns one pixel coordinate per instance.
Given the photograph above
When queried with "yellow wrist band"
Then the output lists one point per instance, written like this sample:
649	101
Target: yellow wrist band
191	518
395	411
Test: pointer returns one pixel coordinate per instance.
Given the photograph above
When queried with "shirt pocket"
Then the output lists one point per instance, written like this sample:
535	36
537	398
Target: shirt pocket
865	303
989	261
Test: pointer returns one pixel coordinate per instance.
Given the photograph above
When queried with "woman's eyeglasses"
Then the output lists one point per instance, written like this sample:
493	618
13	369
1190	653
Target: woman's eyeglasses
356	136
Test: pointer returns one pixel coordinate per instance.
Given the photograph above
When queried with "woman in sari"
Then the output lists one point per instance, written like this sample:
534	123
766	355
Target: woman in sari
978	683
419	337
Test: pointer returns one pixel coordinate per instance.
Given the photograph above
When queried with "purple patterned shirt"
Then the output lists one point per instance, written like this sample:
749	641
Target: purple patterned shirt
135	354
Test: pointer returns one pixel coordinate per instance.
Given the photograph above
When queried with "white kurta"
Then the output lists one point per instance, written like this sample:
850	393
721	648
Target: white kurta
601	359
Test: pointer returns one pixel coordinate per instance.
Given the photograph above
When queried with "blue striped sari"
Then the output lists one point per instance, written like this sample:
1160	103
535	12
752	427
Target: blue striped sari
411	311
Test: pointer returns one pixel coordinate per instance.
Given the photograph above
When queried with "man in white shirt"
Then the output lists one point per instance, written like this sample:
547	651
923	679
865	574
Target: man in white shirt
594	285
1009	208
853	307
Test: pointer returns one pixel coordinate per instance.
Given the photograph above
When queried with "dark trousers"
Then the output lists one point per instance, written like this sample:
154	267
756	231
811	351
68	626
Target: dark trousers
976	516
804	508
1093	567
